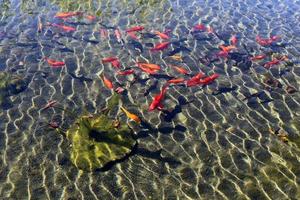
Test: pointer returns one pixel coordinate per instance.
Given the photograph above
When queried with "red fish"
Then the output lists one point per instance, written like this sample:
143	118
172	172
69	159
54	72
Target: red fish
258	57
103	33
176	80
266	42
64	15
50	104
227	48
156	103
119	90
107	82
162	35
180	70
116	63
118	35
233	40
195	79
134	29
54	63
125	72
133	35
223	54
63	27
199	27
271	63
160	46
109	59
209	79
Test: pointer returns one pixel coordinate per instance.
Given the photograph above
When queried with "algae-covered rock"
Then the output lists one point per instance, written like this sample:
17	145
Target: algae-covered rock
96	142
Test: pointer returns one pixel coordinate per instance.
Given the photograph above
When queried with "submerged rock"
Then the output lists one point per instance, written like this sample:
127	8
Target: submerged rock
10	84
96	142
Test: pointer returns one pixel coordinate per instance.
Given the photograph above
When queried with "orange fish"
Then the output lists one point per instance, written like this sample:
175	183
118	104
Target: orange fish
116	63
160	46
208	80
63	15
107	82
177	57
148	70
148	65
195	79
90	17
131	115
63	27
54	63
134	29
176	80
162	35
227	48
180	69
125	72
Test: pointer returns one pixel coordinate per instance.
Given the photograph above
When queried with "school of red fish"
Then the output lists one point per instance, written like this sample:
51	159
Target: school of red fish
184	77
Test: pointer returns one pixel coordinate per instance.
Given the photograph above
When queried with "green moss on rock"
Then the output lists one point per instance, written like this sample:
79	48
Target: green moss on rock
96	142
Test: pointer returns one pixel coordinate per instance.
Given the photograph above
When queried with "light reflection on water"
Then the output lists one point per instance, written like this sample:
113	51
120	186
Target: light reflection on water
222	141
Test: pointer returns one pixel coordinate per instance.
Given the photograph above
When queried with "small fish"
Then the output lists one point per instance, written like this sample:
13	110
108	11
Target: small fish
160	46
125	72
109	59
210	30
53	125
258	57
223	54
119	90
176	80
199	27
103	33
54	63
227	48
209	79
63	27
50	104
40	25
137	45
131	115
156	103
134	29
90	17
118	35
107	82
177	50
80	78
177	57
64	15
116	63
133	35
161	35
148	70
180	69
266	42
271	63
233	40
195	79
148	65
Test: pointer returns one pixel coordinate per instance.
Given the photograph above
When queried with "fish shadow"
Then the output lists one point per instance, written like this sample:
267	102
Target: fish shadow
169	115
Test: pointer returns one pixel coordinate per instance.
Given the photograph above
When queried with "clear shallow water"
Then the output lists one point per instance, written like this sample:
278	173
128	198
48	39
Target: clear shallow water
209	147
